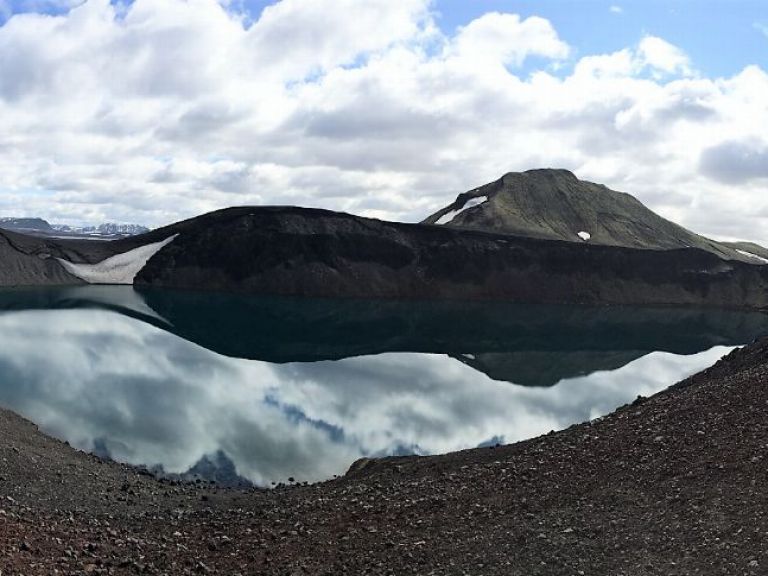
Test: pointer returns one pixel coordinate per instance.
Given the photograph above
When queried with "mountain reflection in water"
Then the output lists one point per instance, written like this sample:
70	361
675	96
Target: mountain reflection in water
278	387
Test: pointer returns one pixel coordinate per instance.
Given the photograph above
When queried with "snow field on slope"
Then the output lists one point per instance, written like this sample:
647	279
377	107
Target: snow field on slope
117	269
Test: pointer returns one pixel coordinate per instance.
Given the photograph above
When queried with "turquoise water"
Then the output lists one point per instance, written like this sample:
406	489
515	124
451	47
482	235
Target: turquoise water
266	389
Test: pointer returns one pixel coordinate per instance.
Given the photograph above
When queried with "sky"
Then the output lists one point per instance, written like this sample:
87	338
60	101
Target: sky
151	111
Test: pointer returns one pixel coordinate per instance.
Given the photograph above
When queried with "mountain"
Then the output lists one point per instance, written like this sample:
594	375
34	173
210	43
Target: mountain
556	205
312	252
40	227
285	250
31	260
107	229
26	224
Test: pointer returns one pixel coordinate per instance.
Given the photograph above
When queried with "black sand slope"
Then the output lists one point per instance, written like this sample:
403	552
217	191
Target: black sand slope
30	261
309	252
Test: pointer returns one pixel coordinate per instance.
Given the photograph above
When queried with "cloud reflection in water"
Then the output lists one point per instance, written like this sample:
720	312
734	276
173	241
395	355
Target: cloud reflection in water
105	381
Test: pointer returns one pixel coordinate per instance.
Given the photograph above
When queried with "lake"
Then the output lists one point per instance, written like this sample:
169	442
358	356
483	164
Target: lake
262	389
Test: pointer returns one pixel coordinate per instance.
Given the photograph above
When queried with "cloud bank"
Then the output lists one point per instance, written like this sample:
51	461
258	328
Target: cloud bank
167	108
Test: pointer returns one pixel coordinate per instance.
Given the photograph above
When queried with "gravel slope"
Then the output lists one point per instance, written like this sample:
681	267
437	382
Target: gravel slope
675	484
31	261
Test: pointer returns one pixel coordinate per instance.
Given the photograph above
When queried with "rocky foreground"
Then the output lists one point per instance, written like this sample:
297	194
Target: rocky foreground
675	484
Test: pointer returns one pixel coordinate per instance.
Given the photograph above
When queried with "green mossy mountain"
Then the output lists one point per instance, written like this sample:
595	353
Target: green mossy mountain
555	205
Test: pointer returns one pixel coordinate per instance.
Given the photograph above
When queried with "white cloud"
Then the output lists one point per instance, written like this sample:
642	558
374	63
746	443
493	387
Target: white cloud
619	64
663	56
172	108
505	39
615	9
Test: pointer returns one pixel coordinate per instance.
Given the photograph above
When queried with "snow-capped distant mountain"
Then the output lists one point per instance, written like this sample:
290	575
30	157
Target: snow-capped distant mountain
40	227
122	229
108	229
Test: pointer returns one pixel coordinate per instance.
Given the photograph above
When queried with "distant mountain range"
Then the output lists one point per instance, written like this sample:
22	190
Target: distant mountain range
40	227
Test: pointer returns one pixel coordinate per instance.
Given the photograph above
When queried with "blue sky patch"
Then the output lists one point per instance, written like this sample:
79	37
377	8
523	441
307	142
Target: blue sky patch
720	37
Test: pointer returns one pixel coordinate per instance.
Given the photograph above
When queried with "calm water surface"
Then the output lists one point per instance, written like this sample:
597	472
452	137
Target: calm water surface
263	389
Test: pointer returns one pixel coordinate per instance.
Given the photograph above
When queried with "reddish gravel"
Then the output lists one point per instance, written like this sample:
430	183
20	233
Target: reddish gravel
676	484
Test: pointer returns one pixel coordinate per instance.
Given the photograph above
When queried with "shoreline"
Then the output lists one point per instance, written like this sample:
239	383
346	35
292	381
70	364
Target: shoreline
671	484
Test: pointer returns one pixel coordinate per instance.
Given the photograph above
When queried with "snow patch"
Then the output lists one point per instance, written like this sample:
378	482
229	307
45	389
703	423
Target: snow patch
754	256
447	217
471	203
469	356
584	236
117	269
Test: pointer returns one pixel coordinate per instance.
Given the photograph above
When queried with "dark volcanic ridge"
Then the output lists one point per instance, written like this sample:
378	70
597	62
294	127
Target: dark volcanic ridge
520	245
674	485
310	252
